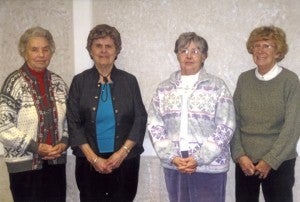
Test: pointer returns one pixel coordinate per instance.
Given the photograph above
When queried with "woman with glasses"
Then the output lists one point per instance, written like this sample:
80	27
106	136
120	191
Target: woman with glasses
267	102
191	122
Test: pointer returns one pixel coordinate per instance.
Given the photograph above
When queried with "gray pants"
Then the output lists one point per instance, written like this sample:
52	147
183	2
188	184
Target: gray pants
196	187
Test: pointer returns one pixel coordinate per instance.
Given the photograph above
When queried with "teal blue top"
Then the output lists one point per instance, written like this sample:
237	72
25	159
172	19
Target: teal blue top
105	121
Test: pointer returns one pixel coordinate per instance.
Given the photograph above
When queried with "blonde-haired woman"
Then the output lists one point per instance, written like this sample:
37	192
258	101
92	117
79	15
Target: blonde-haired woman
268	121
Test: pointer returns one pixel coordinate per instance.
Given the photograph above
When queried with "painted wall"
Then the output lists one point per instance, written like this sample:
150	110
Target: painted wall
149	30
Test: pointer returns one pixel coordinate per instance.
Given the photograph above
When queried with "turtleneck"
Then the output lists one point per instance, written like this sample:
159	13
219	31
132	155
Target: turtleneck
37	74
40	77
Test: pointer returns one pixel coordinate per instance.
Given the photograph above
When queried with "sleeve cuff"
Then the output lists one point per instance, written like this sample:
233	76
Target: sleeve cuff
33	146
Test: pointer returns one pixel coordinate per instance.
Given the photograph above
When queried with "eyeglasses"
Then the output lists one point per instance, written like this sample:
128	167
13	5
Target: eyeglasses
193	52
257	47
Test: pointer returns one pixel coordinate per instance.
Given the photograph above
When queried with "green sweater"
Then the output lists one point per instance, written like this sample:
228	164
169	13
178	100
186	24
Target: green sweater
268	118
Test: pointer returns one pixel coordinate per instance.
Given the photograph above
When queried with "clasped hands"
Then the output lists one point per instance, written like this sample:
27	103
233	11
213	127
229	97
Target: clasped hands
262	169
49	152
106	166
185	165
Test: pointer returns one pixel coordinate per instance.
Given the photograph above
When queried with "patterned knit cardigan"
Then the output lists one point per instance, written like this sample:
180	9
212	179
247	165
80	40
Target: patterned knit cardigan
19	120
211	121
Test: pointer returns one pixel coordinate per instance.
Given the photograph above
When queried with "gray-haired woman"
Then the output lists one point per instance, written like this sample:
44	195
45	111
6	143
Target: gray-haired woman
33	122
191	122
107	122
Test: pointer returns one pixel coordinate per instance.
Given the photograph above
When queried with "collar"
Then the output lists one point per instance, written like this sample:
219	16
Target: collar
270	74
37	74
175	77
189	80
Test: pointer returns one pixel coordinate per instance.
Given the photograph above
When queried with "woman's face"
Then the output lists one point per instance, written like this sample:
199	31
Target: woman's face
264	55
38	53
103	52
190	59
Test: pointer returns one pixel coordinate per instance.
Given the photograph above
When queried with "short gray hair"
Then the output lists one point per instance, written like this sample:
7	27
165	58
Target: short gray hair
186	38
35	32
102	31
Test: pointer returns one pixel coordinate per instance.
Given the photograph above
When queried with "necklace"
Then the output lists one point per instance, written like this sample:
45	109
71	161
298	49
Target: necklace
105	78
104	92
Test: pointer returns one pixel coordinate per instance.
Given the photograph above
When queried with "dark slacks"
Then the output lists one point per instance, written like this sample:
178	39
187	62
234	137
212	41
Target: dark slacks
118	186
277	187
47	184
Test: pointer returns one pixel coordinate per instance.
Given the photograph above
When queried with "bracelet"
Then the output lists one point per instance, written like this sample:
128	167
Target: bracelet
126	149
95	160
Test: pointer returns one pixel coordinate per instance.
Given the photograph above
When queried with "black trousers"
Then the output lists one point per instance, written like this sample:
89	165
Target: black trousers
47	184
118	186
277	187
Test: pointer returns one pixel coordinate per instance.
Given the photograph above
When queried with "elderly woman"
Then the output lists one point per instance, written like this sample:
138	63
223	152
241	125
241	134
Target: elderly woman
268	121
191	122
33	122
107	123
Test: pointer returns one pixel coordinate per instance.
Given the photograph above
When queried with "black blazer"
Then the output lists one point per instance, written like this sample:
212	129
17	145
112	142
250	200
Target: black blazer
129	110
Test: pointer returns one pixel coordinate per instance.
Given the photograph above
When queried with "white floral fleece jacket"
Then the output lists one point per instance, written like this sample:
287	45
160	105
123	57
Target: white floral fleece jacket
211	122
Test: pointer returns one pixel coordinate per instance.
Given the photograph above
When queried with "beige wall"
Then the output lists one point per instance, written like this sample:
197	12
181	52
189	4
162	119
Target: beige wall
149	29
55	15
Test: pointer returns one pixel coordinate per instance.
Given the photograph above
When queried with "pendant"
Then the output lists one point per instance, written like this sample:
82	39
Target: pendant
105	79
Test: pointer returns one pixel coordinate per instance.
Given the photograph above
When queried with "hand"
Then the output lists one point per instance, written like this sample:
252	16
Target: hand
262	169
44	149
185	165
246	165
55	151
191	165
101	166
115	160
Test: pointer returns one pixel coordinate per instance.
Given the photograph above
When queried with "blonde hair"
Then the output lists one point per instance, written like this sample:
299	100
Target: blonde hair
269	33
